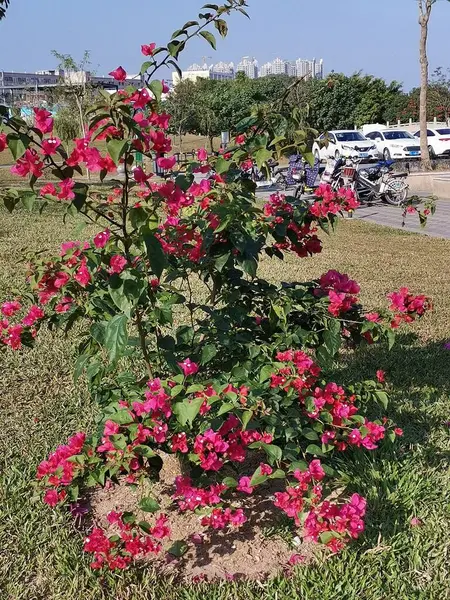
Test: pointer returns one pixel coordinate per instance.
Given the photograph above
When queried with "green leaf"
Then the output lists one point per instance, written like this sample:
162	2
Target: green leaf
119	441
146	527
149	504
125	291
155	254
187	410
250	266
17	144
208	36
178	548
225	408
146	66
222	165
156	87
246	418
230	482
262	156
273	452
116	337
175	47
332	337
208	353
28	199
309	434
391	338
122	417
298	465
327	536
265	373
221	27
257	478
278	474
80	365
221	261
382	398
144	451
116	149
315	450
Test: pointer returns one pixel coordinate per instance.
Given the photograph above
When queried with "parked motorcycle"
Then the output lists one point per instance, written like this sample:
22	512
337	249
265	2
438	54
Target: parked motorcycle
375	183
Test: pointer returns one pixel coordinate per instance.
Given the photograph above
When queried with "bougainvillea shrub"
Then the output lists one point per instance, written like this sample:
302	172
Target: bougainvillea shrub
242	371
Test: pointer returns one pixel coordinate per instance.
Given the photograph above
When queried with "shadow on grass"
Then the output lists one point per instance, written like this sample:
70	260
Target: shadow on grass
402	478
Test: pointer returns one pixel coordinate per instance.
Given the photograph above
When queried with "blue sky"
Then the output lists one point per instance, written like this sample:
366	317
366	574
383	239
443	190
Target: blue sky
375	36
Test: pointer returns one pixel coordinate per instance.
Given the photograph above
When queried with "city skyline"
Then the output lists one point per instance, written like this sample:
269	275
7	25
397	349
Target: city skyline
299	67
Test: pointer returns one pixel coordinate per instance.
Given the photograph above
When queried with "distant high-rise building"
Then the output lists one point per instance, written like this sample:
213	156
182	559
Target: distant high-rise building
249	66
265	70
279	67
216	72
318	72
292	68
223	67
309	68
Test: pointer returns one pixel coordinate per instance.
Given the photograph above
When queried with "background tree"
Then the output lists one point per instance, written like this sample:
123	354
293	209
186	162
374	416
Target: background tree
3	6
74	92
425	9
439	94
181	104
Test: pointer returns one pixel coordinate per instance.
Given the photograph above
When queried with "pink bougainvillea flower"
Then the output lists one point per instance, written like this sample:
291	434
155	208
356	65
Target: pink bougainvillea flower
51	498
119	74
30	162
240	139
188	367
50	146
415	522
244	485
102	238
148	49
64	305
140	175
202	154
316	471
43	120
48	189
265	469
3	143
398	431
9	309
34	314
82	275
166	163
166	88
117	263
66	188
61	279
381	376
297	559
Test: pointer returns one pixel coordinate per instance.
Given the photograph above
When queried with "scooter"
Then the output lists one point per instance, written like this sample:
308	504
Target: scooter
376	183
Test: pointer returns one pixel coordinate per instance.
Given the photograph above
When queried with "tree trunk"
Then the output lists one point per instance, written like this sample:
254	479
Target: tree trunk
425	7
211	143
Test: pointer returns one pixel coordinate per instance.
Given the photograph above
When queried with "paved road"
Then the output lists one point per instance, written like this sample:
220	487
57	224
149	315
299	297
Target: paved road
391	216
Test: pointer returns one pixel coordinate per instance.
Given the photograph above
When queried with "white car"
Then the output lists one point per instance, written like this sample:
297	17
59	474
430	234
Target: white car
438	141
344	143
395	143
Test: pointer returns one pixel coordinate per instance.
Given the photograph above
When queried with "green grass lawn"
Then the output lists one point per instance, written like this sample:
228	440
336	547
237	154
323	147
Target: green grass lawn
41	554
